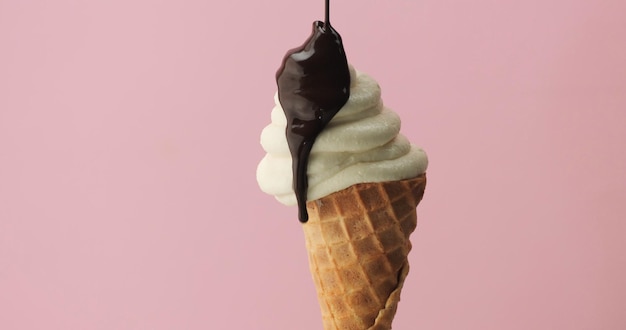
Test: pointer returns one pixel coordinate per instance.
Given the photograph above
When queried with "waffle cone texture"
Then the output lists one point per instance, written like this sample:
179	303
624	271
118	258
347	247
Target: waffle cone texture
358	242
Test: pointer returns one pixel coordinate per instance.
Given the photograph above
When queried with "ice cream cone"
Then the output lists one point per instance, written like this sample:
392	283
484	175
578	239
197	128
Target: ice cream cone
358	242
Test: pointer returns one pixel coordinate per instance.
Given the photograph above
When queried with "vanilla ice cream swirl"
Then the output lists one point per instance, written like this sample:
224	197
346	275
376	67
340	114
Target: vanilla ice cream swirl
362	143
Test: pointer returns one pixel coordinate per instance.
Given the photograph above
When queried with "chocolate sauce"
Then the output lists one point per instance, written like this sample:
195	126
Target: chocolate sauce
313	85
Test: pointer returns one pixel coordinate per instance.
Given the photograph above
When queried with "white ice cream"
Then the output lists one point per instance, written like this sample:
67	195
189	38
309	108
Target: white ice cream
360	144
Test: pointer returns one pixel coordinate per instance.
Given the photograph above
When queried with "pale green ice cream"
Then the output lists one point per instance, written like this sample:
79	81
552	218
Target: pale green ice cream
362	143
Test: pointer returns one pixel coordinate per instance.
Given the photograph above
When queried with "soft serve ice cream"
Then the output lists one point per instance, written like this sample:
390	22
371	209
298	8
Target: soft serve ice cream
362	143
329	124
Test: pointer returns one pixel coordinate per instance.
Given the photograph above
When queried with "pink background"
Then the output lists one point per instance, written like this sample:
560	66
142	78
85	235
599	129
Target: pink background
129	141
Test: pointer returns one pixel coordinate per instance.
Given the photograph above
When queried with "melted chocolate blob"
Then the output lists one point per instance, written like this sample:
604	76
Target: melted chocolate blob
313	85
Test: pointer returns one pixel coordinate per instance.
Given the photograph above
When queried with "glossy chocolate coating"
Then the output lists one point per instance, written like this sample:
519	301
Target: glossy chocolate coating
313	85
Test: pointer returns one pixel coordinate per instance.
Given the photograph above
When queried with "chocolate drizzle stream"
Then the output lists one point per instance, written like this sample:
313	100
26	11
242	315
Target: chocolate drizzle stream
313	85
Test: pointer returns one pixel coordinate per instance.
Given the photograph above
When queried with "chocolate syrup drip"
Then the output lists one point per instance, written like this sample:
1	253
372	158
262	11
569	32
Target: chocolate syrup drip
313	85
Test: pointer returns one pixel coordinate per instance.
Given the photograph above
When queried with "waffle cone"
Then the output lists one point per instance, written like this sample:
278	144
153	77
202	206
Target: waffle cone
358	242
